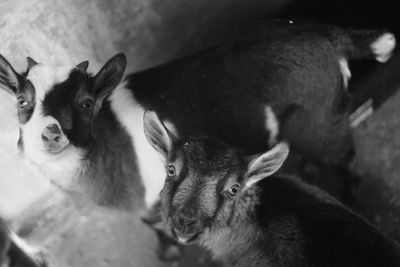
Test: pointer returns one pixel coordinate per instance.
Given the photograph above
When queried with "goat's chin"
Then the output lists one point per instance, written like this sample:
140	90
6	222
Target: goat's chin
42	155
186	239
58	166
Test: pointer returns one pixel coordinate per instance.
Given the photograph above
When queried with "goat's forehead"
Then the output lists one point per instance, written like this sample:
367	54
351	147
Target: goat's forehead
44	77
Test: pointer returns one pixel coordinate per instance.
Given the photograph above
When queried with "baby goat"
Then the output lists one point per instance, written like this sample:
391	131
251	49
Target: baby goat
78	130
233	205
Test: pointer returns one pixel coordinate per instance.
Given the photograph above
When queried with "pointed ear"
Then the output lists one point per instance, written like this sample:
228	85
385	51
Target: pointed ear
9	78
159	137
110	75
83	66
266	164
30	62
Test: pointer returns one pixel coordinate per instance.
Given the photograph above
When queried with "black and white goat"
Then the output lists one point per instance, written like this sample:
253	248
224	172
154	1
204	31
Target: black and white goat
282	79
79	131
235	206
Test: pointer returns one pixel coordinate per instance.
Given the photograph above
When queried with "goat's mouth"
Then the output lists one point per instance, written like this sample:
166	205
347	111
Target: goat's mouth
55	149
184	238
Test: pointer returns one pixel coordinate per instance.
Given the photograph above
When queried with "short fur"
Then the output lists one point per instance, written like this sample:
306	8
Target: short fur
273	221
98	165
293	68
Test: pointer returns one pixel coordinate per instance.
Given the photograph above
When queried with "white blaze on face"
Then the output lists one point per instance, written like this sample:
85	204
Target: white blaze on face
43	78
130	114
272	125
345	70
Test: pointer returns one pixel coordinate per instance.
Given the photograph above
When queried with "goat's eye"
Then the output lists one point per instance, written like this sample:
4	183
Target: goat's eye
233	190
87	105
22	102
171	172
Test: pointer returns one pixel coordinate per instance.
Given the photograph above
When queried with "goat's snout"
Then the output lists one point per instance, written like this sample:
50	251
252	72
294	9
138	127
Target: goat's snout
185	227
53	138
184	223
51	133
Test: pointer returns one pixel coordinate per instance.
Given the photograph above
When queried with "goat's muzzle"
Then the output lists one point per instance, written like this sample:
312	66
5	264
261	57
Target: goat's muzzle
53	139
186	229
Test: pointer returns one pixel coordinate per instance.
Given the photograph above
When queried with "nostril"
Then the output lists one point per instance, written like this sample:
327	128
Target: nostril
45	138
57	138
185	221
181	220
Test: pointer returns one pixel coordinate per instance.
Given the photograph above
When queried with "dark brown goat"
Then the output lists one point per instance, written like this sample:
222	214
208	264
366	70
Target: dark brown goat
233	205
281	79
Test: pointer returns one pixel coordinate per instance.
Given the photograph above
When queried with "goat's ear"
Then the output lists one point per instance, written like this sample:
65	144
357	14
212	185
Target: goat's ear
110	75
31	62
83	66
9	78
159	137
266	164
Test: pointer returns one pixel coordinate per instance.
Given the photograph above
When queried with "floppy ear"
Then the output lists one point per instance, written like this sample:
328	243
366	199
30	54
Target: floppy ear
83	66
159	137
31	62
110	75
9	78
266	164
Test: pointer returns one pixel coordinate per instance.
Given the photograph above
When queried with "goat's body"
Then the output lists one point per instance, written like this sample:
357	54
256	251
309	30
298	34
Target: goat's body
108	186
297	71
290	223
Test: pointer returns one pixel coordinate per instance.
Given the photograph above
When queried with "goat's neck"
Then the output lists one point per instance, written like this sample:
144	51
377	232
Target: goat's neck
242	231
105	178
111	176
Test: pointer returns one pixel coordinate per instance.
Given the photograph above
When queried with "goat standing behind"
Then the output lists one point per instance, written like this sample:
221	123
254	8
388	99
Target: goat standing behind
281	79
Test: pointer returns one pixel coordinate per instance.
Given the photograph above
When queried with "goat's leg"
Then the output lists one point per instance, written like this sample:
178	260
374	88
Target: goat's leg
15	252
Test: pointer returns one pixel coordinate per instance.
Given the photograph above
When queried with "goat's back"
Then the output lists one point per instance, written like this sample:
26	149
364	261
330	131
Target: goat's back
329	233
224	90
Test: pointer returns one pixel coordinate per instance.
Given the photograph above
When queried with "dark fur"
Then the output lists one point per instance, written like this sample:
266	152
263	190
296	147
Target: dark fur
328	233
279	221
293	68
109	175
112	176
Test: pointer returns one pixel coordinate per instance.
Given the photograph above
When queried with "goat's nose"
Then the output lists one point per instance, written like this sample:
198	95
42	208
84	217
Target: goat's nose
52	133
184	223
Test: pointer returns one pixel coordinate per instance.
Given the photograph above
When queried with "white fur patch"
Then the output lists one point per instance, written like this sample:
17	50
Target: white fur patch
57	167
272	125
383	47
345	70
130	114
